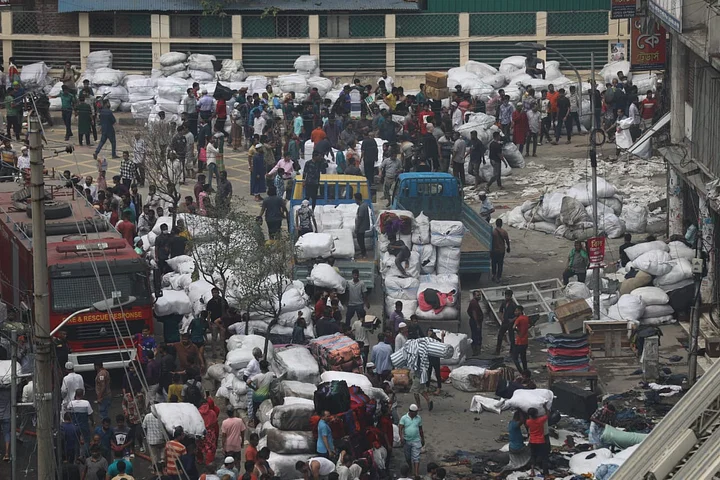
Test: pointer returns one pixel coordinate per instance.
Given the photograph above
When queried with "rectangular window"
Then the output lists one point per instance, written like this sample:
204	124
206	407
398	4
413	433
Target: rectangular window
66	295
280	26
200	26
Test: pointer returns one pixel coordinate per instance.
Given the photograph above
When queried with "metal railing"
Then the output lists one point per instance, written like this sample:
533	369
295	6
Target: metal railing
352	26
502	24
222	51
578	23
275	26
112	24
45	23
427	25
54	54
200	26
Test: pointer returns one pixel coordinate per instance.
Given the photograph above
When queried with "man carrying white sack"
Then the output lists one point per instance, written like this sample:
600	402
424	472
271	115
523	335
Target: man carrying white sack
252	369
70	384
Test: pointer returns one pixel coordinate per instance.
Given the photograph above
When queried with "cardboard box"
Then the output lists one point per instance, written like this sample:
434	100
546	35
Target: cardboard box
436	79
572	314
436	93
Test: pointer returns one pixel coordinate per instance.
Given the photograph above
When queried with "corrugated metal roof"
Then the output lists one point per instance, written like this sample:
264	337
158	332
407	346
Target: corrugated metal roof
240	6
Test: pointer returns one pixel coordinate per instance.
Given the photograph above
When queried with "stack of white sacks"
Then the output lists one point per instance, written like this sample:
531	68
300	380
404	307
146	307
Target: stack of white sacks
306	77
662	268
434	263
569	213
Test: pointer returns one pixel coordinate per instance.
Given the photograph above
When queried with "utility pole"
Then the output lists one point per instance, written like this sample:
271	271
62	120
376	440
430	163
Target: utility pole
13	405
43	341
695	317
593	164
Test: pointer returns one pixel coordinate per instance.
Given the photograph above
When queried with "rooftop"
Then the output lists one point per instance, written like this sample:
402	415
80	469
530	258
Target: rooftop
255	6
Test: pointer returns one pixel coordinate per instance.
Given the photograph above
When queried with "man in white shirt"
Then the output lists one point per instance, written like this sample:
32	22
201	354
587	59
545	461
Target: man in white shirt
389	82
23	161
315	468
402	336
252	369
457	116
139	150
88	185
70	384
259	123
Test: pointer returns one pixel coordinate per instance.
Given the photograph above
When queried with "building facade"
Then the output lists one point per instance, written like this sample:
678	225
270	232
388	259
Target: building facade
349	37
693	157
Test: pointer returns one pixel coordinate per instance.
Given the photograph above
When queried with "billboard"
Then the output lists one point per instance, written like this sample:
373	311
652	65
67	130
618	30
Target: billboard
669	11
627	8
649	46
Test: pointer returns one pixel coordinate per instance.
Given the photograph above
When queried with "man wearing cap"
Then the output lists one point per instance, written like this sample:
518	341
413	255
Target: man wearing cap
486	207
412	437
401	337
23	161
374	378
457	116
228	468
70	384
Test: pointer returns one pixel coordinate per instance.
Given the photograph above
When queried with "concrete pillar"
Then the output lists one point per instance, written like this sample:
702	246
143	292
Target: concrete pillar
164	33
6	22
541	32
390	46
155	36
314	34
707	236
237	34
675	202
84	34
464	24
678	72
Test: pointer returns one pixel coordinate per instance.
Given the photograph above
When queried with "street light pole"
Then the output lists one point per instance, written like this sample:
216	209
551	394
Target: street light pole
593	164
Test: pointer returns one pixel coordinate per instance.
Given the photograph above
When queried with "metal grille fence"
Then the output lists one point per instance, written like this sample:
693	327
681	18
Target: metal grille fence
493	52
114	25
127	56
410	57
260	57
352	26
578	52
278	26
54	54
45	23
578	23
423	25
352	57
502	24
200	26
222	51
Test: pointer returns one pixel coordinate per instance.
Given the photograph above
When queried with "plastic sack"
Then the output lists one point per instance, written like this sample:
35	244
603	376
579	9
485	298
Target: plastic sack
513	156
314	245
610	71
217	371
284	465
292	83
680	250
184	415
352	379
292	388
343	242
629	307
99	59
446	233
572	212
635	217
172	58
172	302
306	63
107	76
297	363
512	64
240	350
621	439
325	276
460	344
613	226
585	463
497	80
551	206
324	85
428	257
653	311
468	379
651	295
577	291
681	270
290	442
388	267
527	399
654	262
421	230
34	75
181	264
292	417
480	404
447	260
636	250
479	68
401	288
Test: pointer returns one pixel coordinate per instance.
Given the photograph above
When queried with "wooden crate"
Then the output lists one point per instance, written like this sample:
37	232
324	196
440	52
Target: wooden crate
572	314
436	79
436	93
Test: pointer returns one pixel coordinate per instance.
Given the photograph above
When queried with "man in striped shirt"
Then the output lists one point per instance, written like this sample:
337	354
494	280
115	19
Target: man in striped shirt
173	451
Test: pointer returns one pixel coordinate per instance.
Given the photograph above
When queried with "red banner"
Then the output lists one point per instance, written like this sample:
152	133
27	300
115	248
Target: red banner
596	250
648	50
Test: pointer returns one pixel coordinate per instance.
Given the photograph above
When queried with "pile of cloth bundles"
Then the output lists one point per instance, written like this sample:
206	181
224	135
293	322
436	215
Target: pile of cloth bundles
240	349
388	267
428	258
170	93
307	65
99	59
314	245
172	63
141	94
337	352
421	230
438	297
184	415
474	378
665	265
398	221
658	310
401	289
296	363
172	302
34	75
325	276
568	352
234	389
200	67
460	343
524	400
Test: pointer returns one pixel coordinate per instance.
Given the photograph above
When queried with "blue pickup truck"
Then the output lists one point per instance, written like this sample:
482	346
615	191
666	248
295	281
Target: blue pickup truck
439	196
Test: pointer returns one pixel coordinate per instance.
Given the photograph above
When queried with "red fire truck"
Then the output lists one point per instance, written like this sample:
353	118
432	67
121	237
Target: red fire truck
83	250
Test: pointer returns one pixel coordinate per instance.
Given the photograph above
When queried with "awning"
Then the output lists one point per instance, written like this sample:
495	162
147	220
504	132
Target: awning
643	146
